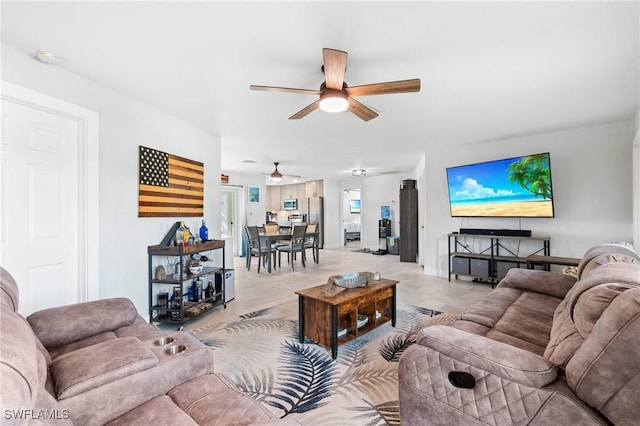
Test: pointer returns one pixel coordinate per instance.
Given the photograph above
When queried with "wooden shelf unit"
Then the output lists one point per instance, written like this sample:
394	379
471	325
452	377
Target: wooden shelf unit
178	315
492	261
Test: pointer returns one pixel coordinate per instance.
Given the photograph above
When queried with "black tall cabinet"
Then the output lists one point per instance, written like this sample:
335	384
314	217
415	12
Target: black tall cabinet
408	221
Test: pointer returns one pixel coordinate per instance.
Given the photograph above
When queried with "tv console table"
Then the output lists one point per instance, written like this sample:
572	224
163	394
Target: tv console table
492	260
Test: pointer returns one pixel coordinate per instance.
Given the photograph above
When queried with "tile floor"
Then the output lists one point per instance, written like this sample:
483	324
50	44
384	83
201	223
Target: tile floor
259	290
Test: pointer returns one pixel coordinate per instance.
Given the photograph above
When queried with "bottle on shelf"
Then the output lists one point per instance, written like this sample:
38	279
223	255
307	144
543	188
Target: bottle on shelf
204	232
208	292
180	233
187	234
193	292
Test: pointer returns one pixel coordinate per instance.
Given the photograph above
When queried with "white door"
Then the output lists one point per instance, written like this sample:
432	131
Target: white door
40	205
230	214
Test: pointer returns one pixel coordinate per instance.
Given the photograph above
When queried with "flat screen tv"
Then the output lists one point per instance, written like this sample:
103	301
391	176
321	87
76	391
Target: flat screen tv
511	187
354	206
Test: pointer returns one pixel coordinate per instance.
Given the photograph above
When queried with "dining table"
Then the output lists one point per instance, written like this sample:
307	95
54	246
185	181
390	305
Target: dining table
271	238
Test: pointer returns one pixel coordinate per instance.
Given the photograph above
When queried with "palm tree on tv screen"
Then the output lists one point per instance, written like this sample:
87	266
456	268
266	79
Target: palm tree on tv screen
533	174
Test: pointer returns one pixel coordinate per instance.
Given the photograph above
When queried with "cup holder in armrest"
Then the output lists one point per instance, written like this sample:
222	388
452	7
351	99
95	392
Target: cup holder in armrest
175	349
163	341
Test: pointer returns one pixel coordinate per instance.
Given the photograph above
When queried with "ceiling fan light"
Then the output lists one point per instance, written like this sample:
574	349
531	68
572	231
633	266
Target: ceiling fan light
276	179
358	172
334	101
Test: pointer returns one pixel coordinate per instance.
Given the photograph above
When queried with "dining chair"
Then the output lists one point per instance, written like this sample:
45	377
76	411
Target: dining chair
256	248
297	245
311	241
270	228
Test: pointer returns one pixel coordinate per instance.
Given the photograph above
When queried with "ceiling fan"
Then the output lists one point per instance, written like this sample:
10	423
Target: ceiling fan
336	96
276	176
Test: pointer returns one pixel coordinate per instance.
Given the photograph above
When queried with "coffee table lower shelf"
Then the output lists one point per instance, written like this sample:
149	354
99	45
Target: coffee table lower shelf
323	311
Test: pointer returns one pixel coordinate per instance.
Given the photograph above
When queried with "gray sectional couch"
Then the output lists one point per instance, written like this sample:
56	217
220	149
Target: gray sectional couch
99	362
540	349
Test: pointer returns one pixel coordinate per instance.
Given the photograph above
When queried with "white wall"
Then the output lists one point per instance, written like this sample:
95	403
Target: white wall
254	213
124	125
636	181
332	192
591	169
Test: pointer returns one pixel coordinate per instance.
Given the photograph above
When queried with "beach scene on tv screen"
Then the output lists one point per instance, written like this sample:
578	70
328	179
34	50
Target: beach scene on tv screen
512	187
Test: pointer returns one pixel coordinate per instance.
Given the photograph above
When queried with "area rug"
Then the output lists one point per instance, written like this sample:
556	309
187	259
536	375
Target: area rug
260	355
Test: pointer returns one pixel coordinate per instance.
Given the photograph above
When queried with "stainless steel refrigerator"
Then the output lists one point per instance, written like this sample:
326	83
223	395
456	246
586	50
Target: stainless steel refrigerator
314	209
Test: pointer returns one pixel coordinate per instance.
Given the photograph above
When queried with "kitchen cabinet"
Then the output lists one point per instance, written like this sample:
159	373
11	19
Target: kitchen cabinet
276	194
275	203
288	192
314	189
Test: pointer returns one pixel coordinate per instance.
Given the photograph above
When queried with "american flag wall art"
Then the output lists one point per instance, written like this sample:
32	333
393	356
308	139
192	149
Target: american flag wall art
168	185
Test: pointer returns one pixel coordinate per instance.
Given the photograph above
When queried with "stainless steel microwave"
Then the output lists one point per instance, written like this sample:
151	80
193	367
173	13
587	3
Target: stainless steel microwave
291	204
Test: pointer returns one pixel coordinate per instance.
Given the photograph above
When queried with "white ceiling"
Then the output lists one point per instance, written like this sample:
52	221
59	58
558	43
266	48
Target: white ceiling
489	70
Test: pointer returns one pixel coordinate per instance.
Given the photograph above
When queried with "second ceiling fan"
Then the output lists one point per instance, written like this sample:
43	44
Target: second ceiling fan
276	176
335	95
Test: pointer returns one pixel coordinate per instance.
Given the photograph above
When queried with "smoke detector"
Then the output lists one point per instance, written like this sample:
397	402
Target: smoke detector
48	57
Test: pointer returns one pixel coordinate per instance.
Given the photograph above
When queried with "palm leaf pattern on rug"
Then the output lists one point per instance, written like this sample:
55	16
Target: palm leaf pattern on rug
353	353
306	374
392	348
257	386
260	355
387	413
372	379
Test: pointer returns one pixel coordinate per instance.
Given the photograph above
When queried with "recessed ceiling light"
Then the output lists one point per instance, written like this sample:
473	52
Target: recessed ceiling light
48	57
358	172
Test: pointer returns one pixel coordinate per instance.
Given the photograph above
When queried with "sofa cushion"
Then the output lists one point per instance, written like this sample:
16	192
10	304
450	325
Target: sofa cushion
489	310
140	329
96	365
564	338
577	314
606	253
58	351
605	370
18	362
160	411
8	290
209	401
596	291
529	318
514	316
66	324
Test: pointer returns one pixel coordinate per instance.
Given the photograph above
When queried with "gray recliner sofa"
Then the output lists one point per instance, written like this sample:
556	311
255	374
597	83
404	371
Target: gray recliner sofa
99	362
540	349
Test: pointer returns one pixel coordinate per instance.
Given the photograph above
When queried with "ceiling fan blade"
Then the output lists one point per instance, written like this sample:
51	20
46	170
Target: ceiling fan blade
284	89
306	110
390	87
361	110
335	65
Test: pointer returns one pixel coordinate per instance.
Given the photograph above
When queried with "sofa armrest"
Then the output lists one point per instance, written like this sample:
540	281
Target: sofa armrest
491	356
66	324
96	365
543	282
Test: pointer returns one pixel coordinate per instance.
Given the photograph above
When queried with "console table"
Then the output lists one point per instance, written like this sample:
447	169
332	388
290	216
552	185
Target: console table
493	259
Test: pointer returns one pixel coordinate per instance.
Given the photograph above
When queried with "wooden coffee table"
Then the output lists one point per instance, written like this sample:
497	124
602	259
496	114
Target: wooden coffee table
325	309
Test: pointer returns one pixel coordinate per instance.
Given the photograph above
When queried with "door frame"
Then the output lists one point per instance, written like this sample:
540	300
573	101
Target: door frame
238	209
88	179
